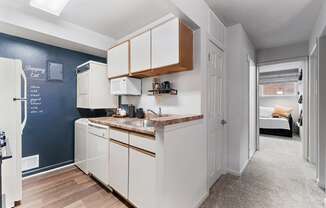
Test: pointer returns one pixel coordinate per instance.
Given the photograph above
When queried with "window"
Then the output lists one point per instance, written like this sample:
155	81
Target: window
279	89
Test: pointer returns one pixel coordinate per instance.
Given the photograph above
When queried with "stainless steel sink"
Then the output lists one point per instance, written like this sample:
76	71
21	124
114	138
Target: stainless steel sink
141	123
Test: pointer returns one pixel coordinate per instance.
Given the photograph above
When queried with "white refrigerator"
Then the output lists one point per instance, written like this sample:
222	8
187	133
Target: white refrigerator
13	94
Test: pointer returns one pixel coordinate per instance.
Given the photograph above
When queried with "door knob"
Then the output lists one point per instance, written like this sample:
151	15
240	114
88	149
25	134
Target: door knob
223	122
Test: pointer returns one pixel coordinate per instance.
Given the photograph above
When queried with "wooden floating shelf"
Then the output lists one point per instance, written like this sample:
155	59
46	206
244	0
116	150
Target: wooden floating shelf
163	92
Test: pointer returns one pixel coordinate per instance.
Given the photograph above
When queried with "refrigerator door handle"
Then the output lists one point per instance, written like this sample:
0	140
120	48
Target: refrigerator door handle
24	99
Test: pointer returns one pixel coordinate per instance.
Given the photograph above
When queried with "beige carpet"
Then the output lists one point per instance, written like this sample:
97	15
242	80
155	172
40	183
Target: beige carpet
277	177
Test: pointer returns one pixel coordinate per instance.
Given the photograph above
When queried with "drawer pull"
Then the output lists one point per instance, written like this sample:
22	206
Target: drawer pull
143	136
119	143
143	151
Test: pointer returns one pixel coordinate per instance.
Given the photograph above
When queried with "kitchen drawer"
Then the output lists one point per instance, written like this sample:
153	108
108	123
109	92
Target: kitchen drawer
119	135
142	141
98	130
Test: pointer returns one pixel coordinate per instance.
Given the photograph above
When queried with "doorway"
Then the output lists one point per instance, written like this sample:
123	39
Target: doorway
215	107
285	114
282	98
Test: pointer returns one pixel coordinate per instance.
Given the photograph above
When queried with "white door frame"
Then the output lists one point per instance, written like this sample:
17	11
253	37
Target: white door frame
255	126
320	164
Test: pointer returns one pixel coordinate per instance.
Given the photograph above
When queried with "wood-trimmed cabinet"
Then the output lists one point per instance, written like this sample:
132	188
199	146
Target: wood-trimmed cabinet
166	48
132	171
140	52
119	63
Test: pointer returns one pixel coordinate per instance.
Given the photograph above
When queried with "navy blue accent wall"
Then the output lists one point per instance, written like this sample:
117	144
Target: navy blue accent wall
50	126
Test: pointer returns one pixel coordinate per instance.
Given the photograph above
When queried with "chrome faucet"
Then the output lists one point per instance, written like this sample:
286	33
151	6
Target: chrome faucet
159	114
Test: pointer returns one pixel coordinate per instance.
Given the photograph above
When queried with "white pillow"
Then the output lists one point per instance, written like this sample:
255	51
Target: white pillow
266	112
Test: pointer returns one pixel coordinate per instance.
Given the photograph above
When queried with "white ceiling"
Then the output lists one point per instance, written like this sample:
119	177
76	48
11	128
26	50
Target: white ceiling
270	23
113	18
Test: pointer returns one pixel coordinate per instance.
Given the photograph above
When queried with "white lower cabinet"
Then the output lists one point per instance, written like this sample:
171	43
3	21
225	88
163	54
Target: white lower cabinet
132	167
142	178
118	171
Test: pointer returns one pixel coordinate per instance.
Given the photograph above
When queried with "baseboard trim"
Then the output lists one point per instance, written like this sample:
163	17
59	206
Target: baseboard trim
233	172
49	171
244	167
202	199
238	173
321	185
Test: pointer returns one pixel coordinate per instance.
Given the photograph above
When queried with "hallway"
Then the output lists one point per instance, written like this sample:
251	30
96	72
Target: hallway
277	177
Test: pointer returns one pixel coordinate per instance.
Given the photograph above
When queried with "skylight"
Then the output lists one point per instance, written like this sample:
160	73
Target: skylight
54	7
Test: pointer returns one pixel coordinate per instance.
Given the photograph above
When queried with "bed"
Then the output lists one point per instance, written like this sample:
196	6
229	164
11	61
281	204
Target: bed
275	126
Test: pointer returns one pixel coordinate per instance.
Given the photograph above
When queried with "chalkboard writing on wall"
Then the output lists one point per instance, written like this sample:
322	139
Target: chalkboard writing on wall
52	110
34	73
37	76
35	100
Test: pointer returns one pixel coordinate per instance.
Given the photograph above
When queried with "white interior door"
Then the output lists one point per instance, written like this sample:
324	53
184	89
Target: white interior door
252	107
215	100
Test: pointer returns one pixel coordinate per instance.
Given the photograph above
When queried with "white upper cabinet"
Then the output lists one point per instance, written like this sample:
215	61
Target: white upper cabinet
118	60
166	48
165	44
140	52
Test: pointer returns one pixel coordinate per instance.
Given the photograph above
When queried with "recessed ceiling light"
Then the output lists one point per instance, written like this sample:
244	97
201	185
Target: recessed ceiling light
54	7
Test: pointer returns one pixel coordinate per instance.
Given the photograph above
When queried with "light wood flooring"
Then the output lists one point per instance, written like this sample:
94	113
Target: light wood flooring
67	188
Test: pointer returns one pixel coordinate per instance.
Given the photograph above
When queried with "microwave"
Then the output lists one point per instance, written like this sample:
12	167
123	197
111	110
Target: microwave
125	86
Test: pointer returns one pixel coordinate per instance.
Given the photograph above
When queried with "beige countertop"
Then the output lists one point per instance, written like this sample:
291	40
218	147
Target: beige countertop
136	125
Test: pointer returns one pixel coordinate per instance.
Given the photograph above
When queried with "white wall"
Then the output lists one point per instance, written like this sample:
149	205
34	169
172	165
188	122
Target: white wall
322	113
319	27
239	47
292	51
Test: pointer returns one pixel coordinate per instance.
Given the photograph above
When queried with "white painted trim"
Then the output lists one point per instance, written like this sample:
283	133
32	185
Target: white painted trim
255	127
49	171
313	50
202	200
321	185
92	62
237	173
233	172
244	167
